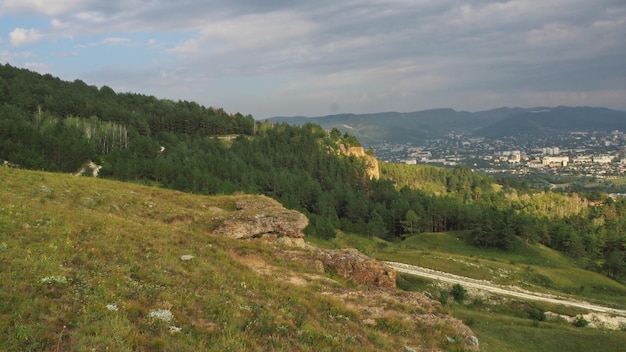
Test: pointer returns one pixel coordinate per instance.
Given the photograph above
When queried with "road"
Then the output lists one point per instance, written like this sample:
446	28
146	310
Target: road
511	291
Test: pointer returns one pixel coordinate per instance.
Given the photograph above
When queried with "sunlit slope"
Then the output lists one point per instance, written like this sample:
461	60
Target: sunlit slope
91	264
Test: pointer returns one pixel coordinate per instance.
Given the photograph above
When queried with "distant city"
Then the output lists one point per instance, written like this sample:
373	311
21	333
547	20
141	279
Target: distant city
596	154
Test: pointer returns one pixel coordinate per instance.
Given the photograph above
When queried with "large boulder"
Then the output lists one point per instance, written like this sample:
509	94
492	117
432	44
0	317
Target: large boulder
352	265
259	215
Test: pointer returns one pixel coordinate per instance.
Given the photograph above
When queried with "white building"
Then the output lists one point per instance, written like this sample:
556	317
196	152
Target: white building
602	159
555	160
551	151
582	159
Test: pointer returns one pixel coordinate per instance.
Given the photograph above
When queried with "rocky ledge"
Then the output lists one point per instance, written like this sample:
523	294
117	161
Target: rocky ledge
267	220
353	265
260	216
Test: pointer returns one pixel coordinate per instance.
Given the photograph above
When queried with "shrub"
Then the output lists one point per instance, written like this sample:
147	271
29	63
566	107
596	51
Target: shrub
458	293
580	322
537	314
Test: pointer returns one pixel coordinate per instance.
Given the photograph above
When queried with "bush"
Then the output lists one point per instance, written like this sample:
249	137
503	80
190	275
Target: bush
580	322
458	293
537	314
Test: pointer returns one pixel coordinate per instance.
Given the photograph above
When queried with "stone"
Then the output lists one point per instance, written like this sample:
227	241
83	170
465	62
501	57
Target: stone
473	341
352	265
259	215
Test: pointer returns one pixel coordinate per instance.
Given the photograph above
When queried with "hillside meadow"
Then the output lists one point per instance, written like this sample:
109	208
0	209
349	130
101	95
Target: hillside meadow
93	265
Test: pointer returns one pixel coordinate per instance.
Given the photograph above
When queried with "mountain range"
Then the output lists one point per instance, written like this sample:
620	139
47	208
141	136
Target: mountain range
496	123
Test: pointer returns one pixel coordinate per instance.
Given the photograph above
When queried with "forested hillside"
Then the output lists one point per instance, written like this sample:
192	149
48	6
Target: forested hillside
52	125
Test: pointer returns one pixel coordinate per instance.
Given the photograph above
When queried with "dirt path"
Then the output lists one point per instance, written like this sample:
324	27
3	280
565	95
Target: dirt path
512	291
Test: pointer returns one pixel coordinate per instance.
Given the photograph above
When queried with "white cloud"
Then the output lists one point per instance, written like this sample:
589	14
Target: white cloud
49	8
116	41
189	46
65	54
8	56
40	7
21	36
93	17
257	31
37	66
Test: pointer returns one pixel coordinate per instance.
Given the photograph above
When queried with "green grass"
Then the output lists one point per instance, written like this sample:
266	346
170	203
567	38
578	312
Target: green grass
85	263
499	332
508	325
504	325
536	268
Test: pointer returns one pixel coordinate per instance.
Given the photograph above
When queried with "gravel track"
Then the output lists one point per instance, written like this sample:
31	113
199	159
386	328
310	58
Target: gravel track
512	291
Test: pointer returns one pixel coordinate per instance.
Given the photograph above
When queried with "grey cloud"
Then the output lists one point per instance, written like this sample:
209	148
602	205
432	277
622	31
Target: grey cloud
412	48
536	47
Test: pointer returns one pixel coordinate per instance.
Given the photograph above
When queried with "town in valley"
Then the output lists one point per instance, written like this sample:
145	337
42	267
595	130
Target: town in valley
595	154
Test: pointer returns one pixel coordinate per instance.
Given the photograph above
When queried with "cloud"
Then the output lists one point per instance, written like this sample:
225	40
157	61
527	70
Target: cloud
71	11
21	36
39	7
8	56
356	54
116	41
257	31
189	46
37	66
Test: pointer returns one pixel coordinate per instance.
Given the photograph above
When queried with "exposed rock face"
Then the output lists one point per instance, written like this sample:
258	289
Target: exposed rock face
258	215
266	220
373	170
351	264
95	169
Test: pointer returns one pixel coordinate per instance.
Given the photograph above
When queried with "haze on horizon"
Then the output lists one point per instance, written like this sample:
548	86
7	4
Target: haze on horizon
285	58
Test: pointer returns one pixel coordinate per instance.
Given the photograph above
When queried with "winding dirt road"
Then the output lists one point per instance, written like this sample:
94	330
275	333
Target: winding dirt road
511	291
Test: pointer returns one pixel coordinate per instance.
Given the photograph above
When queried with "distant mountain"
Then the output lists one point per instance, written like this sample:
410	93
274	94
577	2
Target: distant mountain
543	121
496	123
395	126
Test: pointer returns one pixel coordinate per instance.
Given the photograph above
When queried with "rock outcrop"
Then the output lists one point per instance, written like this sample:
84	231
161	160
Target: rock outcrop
266	220
353	265
258	216
373	170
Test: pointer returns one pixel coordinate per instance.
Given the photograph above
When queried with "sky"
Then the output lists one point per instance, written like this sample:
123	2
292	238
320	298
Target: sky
312	58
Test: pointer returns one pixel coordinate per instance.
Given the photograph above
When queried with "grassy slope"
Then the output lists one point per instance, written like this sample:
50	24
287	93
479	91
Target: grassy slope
100	243
506	325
